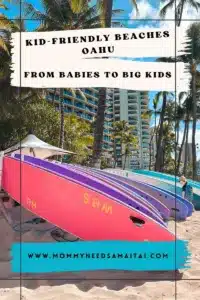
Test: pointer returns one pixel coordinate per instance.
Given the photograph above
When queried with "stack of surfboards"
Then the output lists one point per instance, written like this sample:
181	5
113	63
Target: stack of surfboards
170	183
92	204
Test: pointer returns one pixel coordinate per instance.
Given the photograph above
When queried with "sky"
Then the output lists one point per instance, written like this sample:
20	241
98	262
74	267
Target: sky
148	18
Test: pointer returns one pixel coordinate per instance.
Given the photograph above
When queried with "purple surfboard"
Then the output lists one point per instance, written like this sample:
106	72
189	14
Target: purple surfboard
176	207
99	177
91	183
141	196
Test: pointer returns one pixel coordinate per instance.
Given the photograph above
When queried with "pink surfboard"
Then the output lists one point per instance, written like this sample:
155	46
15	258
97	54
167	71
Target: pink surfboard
83	212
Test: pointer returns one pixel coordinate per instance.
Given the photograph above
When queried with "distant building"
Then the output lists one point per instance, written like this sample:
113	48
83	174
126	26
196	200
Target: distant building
130	105
121	104
86	109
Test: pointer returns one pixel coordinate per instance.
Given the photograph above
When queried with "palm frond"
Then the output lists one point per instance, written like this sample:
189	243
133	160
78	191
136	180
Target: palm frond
157	98
165	8
5	23
3	45
82	94
3	6
167	59
19	25
181	95
134	3
102	11
78	5
31	12
194	4
117	11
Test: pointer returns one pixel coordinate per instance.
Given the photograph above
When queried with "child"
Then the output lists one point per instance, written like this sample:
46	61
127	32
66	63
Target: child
187	191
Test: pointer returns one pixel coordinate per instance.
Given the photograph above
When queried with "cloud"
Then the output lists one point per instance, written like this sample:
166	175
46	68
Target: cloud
188	17
147	11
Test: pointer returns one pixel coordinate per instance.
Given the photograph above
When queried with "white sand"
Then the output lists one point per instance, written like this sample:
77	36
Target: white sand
100	285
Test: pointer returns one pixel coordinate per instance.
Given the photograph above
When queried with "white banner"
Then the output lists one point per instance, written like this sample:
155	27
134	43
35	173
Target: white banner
100	42
74	59
113	73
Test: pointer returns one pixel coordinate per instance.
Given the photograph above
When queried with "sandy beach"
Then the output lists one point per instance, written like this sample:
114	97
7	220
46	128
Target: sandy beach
98	285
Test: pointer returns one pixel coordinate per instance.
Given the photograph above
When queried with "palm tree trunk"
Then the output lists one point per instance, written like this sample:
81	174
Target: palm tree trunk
115	154
125	157
181	13
160	135
181	148
150	156
156	133
115	162
177	127
62	123
194	114
177	130
98	133
99	128
156	137
150	148
54	98
163	156
186	150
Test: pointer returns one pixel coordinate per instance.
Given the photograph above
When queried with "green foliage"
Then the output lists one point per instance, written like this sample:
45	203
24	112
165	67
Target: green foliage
60	16
78	138
19	119
104	163
123	134
179	8
169	166
28	110
41	118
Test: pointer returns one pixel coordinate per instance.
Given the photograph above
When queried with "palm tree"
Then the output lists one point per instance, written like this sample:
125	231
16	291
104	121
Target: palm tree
128	142
105	8
167	144
156	112
147	114
164	96
186	148
6	28
192	57
2	4
10	94
168	121
187	115
98	133
179	8
179	115
124	133
58	15
117	132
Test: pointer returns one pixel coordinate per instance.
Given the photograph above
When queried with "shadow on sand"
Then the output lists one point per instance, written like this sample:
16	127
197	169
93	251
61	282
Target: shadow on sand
113	280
